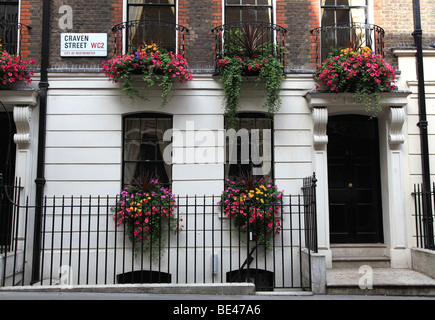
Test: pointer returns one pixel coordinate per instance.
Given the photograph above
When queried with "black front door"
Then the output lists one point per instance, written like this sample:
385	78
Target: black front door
355	207
7	169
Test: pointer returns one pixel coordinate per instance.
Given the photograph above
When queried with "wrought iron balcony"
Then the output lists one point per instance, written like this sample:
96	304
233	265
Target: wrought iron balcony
249	39
348	35
133	34
10	35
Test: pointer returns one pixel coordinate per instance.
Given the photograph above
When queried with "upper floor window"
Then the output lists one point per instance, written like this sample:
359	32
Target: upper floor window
150	22
344	11
248	11
151	10
345	25
9	25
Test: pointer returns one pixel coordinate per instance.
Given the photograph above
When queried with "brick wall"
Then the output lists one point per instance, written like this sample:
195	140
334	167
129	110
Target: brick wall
200	17
31	38
396	17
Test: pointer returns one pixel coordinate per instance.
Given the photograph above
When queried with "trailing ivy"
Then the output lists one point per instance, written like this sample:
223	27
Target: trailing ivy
268	69
244	55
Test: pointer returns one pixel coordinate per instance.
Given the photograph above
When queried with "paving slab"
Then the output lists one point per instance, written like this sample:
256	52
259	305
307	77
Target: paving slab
379	281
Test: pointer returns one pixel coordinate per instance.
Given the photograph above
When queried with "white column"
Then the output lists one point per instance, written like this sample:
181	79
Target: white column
397	235
320	141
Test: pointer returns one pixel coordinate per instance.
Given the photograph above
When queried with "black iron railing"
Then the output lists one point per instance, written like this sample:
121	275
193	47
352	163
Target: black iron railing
81	244
249	39
347	35
424	217
133	34
10	35
310	209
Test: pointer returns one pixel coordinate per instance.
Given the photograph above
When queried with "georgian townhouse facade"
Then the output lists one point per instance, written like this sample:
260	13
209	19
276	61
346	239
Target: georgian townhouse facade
76	133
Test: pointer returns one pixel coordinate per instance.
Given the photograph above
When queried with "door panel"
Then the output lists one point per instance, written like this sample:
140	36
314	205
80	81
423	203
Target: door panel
354	180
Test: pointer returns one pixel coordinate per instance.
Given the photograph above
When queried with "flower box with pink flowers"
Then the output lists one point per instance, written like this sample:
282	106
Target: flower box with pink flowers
359	71
13	70
152	64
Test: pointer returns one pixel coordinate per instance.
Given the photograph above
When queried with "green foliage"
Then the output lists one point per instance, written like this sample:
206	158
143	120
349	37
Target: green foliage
234	69
247	53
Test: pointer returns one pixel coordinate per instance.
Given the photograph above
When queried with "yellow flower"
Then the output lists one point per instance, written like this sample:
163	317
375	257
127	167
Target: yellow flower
367	50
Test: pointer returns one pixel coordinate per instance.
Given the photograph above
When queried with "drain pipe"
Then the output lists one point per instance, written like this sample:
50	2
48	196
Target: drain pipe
423	125
40	175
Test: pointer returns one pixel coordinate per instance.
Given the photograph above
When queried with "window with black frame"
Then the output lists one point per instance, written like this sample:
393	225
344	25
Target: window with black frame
249	147
145	148
152	21
343	24
9	26
248	11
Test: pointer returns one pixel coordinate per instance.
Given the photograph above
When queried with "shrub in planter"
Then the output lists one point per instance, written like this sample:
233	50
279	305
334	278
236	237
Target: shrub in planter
147	210
253	205
362	72
153	64
247	57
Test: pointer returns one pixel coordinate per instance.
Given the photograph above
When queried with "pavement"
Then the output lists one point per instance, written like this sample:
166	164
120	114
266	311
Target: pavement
380	276
174	296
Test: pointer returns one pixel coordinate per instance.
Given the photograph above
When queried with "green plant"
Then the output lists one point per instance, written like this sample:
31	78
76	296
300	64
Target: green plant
253	205
364	73
147	210
153	64
247	56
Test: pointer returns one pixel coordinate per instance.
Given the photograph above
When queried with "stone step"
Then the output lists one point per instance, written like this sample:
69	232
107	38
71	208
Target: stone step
357	255
357	262
359	250
378	281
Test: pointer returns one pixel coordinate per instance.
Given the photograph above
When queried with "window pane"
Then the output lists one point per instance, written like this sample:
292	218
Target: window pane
264	15
358	2
168	2
248	10
232	15
328	17
328	2
249	14
358	15
132	129
342	16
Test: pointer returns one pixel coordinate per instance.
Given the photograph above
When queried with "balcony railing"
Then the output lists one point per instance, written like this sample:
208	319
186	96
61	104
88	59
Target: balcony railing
10	35
133	34
347	35
247	38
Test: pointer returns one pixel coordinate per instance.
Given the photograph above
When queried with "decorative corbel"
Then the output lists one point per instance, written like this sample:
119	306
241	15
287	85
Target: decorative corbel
320	119
397	119
22	117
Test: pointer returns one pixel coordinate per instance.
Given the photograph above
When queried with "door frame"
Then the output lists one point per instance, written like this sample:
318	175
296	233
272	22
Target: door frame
392	166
